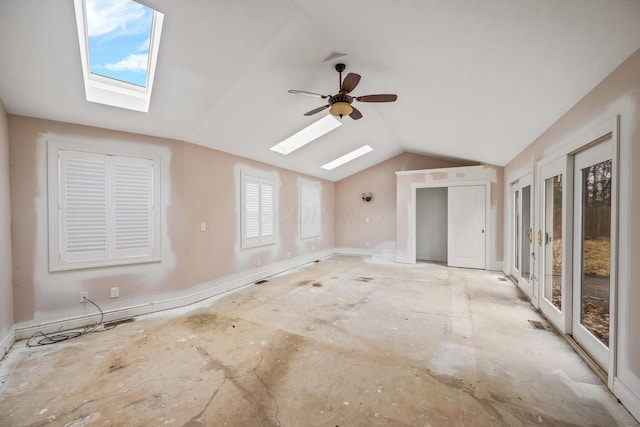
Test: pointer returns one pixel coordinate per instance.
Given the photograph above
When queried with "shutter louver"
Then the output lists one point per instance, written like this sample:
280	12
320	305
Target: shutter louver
132	202
83	207
252	210
266	211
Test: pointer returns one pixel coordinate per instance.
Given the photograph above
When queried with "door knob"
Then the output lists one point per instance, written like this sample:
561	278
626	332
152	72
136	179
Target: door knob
539	237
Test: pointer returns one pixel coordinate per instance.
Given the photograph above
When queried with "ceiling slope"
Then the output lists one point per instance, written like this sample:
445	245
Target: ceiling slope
475	80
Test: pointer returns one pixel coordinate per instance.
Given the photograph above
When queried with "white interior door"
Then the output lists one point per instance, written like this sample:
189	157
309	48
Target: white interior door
553	299
592	250
466	226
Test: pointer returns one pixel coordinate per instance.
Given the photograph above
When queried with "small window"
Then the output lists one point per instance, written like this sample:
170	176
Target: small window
258	216
102	208
310	210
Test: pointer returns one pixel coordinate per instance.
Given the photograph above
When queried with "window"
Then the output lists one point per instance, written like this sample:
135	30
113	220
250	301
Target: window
119	42
258	216
102	207
310	210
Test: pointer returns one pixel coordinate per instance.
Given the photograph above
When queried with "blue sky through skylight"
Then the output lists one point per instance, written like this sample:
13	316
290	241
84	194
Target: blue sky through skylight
119	32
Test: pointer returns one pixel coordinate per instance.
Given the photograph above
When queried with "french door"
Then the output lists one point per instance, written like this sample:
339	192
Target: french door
522	222
553	254
592	255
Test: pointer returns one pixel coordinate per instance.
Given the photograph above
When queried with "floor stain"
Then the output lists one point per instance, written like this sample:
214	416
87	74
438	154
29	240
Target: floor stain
303	282
116	365
297	355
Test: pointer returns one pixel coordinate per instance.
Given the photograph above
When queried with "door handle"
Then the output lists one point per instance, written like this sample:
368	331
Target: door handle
539	237
530	235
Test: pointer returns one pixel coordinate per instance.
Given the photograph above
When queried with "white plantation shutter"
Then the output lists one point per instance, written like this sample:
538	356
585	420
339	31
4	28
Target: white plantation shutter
132	199
258	217
266	210
83	207
102	208
252	210
310	211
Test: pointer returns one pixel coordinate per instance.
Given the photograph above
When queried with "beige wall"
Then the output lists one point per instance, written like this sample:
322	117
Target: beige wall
617	95
373	224
199	185
6	282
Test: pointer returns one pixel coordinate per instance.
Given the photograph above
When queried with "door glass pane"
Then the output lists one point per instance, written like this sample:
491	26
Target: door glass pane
516	216
596	249
526	232
553	241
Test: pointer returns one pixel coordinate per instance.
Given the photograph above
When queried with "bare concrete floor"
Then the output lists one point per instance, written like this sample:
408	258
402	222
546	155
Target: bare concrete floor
343	342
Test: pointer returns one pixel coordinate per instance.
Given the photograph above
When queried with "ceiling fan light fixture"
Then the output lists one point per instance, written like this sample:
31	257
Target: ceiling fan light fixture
341	109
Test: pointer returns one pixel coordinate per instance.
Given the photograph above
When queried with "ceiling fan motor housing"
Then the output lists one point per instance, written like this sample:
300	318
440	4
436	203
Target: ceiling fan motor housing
341	97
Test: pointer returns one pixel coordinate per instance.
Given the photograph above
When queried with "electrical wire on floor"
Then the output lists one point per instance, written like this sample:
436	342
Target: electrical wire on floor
54	339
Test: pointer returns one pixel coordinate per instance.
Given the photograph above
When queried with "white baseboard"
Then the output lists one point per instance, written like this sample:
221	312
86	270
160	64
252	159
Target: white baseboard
628	399
355	251
496	266
404	259
207	290
7	342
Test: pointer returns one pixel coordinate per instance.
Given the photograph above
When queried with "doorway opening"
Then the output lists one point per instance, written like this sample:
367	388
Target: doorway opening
431	224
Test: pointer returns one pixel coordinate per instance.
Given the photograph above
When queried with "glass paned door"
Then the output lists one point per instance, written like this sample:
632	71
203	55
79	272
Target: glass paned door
527	234
522	239
596	249
553	249
516	232
553	241
593	184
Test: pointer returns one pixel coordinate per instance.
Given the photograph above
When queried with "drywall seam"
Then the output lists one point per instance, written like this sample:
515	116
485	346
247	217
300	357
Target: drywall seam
213	288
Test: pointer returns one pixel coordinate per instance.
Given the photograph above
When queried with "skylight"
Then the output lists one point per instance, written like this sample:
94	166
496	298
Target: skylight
313	131
119	42
347	157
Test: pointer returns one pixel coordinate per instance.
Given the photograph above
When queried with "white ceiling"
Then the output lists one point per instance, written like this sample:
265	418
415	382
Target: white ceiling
476	80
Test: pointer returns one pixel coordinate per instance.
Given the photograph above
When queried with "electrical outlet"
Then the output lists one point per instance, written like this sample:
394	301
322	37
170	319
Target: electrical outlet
259	262
84	295
203	226
115	292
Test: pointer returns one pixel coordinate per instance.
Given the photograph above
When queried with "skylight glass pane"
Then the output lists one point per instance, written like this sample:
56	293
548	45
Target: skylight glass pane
119	34
347	157
310	133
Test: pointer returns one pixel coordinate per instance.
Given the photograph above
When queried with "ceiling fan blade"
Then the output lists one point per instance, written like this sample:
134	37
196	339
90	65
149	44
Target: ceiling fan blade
305	93
377	98
355	114
350	82
317	110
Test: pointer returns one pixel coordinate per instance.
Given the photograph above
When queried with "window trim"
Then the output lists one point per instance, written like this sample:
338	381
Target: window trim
254	175
316	214
113	92
109	148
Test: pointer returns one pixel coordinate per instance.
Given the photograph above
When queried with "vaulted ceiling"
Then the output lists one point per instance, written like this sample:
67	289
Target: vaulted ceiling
476	80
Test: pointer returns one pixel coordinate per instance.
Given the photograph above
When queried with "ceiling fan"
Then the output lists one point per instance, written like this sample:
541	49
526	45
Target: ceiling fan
340	103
